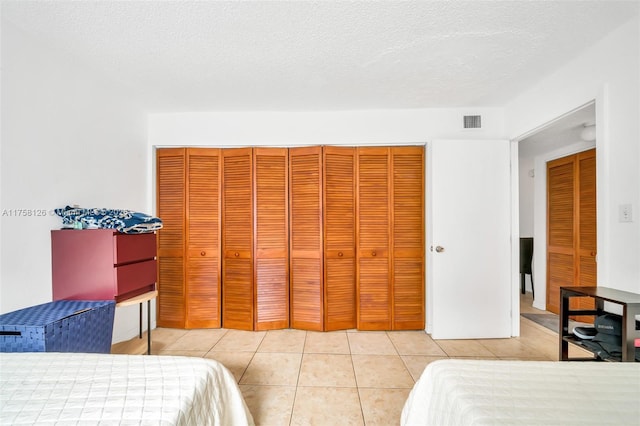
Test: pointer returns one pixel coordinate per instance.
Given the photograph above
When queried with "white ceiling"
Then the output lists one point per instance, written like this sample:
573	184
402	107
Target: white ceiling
320	55
562	132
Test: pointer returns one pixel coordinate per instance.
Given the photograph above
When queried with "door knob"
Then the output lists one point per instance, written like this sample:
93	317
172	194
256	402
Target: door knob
202	253
439	249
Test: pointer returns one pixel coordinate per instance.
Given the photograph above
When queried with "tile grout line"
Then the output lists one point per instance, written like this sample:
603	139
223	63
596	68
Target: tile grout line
355	378
295	393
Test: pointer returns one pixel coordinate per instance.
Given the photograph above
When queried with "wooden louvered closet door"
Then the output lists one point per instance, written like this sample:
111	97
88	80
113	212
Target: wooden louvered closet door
408	238
372	237
306	252
237	239
571	227
327	238
203	238
188	202
170	173
587	241
339	238
271	249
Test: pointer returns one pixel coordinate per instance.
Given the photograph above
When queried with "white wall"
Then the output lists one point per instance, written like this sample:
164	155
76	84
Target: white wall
264	128
525	199
526	181
609	73
320	128
67	137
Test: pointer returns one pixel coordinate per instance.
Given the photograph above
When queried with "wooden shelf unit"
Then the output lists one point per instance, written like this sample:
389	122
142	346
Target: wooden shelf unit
630	303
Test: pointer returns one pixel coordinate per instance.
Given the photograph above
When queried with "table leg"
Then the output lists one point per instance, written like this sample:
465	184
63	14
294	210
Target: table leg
149	327
140	320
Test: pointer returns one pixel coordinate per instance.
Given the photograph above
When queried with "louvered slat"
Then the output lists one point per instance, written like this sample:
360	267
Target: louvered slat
272	302
237	240
560	182
560	274
339	238
203	293
305	198
237	300
372	235
408	238
374	311
271	238
170	198
171	311
587	175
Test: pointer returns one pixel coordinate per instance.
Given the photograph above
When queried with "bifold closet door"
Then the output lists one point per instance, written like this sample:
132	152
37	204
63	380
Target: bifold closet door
390	238
202	287
339	238
237	239
408	238
271	237
306	252
188	201
170	184
571	228
373	240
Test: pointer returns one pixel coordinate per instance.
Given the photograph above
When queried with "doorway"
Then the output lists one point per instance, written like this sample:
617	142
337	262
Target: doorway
560	138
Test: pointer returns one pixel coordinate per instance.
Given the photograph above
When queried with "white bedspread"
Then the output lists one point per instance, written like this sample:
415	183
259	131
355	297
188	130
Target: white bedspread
73	388
487	392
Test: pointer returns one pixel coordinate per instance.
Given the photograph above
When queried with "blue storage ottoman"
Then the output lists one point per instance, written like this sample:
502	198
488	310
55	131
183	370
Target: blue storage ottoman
60	326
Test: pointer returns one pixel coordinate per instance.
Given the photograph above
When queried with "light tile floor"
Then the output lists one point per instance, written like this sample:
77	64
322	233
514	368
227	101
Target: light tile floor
293	377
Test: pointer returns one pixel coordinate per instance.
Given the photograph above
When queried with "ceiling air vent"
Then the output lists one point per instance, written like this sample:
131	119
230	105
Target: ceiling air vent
472	121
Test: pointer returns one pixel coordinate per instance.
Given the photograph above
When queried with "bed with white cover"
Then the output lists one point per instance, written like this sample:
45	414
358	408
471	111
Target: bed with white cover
500	392
79	388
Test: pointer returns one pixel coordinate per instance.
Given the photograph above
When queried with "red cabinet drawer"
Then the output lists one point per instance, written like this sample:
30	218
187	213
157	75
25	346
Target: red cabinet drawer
135	278
129	248
102	264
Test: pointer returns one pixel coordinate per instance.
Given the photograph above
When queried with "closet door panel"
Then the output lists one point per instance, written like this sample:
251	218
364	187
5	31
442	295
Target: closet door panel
203	238
170	173
587	228
560	229
306	252
408	238
339	238
237	239
271	238
373	220
588	244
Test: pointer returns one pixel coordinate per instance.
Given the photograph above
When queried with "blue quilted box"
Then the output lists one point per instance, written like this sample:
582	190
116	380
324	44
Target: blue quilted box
60	326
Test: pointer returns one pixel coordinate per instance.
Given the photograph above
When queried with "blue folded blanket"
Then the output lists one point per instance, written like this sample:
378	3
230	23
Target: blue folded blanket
125	221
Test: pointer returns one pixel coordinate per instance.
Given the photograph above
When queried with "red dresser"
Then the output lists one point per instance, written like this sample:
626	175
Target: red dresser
101	264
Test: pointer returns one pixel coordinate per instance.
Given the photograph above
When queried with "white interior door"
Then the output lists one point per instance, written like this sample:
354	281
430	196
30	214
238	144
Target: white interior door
469	224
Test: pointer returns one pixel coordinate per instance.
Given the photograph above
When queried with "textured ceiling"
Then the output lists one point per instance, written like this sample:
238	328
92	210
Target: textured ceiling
320	55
